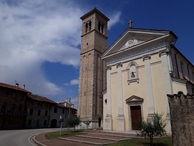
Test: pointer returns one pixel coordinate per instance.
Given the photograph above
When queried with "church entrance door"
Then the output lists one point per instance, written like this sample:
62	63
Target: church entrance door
135	117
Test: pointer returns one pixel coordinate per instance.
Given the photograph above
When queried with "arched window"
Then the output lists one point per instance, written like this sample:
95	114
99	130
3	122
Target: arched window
100	27
88	26
133	72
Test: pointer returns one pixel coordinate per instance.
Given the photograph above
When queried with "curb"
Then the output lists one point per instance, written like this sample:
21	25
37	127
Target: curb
33	139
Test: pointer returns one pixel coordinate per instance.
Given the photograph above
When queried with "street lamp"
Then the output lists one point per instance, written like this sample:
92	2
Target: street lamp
61	122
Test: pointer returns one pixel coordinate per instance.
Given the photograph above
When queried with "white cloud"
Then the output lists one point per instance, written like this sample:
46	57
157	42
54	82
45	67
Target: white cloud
33	32
114	19
74	82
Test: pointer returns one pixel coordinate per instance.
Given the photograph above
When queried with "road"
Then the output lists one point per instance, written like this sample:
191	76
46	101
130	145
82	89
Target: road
19	137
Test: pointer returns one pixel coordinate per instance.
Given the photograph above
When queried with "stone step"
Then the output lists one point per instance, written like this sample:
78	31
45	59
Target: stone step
103	137
87	140
123	135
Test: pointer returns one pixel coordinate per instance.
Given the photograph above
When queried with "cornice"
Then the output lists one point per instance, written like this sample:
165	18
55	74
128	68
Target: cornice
137	53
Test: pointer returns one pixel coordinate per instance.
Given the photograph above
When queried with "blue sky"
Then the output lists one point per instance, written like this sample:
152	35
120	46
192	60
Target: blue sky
40	40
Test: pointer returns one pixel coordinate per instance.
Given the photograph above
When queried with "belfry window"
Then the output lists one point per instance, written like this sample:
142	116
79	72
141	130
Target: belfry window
100	27
133	72
88	26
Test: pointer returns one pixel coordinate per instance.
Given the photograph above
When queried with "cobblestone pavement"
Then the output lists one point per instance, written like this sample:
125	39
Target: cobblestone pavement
88	138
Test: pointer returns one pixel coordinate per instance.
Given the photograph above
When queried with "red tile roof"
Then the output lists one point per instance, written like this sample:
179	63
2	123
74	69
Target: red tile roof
40	98
63	106
13	87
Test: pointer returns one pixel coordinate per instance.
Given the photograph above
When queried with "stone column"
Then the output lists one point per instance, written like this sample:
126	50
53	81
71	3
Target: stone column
167	84
108	118
149	87
120	117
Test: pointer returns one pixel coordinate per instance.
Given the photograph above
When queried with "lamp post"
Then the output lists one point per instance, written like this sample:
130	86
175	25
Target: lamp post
61	122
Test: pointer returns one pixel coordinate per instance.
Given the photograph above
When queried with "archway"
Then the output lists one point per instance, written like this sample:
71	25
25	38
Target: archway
53	123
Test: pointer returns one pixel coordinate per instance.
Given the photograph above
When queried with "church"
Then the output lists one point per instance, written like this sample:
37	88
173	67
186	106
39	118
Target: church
130	80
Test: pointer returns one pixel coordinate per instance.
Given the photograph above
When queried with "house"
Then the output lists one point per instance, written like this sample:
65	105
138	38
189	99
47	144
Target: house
20	109
62	110
39	108
13	109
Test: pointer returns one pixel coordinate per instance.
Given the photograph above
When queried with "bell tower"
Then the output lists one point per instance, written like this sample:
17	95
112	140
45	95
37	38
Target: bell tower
92	68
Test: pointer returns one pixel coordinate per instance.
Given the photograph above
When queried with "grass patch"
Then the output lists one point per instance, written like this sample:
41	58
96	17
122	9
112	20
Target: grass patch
163	141
56	134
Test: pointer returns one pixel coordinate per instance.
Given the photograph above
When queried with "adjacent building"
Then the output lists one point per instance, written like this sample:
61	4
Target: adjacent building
63	110
13	108
39	109
20	109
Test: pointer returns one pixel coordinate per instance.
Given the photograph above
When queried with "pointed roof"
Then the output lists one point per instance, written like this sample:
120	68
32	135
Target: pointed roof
95	10
135	37
133	99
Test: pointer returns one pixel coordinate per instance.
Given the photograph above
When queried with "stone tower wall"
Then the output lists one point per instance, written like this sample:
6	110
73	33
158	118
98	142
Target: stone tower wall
92	68
182	119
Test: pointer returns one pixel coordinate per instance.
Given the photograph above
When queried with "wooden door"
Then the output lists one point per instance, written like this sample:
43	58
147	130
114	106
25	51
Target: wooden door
135	117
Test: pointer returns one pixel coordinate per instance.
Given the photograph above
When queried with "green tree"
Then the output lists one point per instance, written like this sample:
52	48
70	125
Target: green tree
73	121
154	127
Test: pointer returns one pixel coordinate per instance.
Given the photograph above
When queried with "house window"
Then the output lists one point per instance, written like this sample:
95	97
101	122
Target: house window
29	122
6	94
31	111
44	122
133	72
39	112
63	111
46	113
22	97
55	110
15	95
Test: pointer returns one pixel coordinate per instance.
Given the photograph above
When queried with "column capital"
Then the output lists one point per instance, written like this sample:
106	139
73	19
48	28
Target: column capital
120	64
146	57
164	52
108	68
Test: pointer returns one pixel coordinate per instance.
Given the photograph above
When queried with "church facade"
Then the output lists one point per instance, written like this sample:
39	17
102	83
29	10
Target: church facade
142	67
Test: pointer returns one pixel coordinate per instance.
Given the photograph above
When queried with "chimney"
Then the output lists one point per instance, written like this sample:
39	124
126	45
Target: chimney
16	84
24	86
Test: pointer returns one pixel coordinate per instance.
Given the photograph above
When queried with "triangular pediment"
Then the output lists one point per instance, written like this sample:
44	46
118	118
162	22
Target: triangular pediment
134	99
133	38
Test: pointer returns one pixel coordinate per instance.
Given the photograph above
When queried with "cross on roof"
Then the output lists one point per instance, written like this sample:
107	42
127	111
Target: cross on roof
130	23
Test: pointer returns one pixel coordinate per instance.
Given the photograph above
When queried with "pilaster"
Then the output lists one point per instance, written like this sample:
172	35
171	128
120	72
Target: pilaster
167	82
149	87
108	118
120	117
